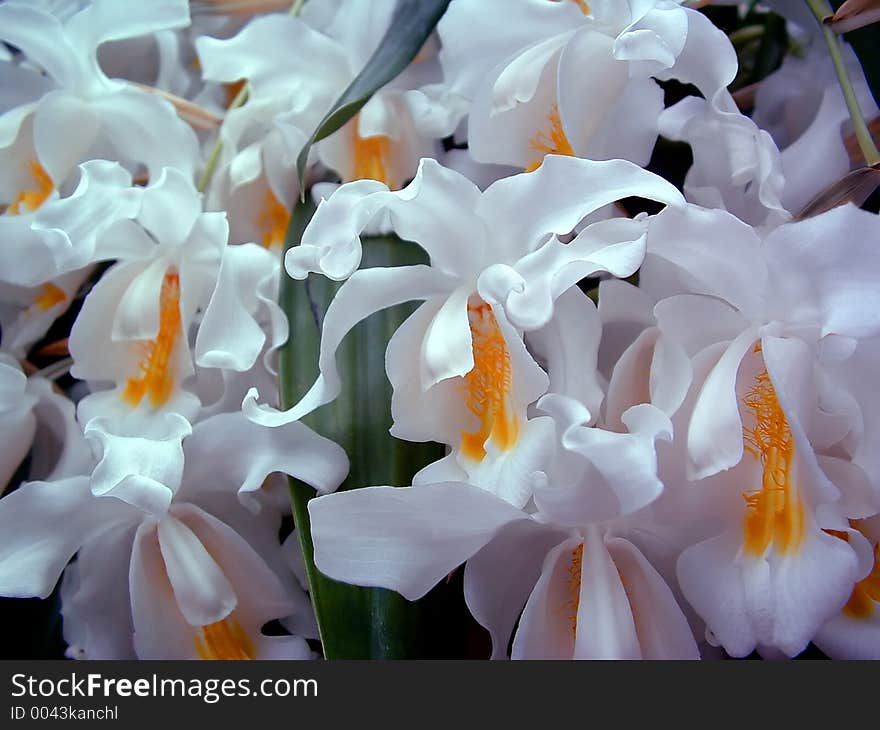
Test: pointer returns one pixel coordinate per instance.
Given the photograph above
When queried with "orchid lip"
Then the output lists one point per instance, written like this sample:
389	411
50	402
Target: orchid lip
487	387
774	512
156	381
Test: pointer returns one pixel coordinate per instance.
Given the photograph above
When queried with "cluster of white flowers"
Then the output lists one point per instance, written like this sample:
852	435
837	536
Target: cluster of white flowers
692	462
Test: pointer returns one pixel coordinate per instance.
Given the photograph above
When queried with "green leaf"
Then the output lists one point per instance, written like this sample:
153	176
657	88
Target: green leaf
866	43
410	27
361	623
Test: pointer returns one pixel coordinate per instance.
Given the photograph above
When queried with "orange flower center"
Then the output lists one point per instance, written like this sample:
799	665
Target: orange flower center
554	143
371	157
155	380
865	595
488	385
774	513
50	295
224	640
574	587
273	220
30	200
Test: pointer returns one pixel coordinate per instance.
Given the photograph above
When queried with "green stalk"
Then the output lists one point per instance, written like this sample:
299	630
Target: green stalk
356	623
822	10
745	35
214	155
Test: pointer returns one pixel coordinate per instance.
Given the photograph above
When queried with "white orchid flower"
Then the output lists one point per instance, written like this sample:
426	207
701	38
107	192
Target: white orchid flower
84	114
599	475
855	632
586	594
48	235
173	262
26	314
286	100
763	317
802	107
277	54
189	575
401	122
604	464
496	268
572	77
781	558
33	417
258	207
640	363
587	591
742	290
737	166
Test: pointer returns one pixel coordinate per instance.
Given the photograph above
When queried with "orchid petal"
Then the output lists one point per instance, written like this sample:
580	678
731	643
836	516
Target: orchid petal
404	538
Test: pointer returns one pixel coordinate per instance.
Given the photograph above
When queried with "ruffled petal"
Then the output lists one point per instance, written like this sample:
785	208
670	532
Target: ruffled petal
404	538
143	468
72	226
524	209
497	587
661	626
142	128
568	347
547	627
160	629
707	59
679	236
714	436
95	601
202	592
263	53
293	449
605	618
366	292
529	288
170	207
780	603
41	36
107	20
261	596
614	474
476	35
43	525
230	336
841	282
434	210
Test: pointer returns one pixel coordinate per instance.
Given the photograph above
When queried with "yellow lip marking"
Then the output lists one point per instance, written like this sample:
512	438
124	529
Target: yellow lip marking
488	385
774	512
372	156
865	597
556	143
273	220
50	295
155	381
27	201
224	640
573	602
